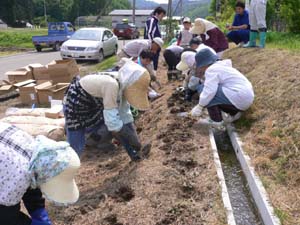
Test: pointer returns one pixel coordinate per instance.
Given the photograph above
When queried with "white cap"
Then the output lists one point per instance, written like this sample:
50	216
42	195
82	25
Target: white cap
186	20
158	41
187	61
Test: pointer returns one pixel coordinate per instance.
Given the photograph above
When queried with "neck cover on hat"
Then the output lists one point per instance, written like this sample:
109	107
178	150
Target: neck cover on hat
49	159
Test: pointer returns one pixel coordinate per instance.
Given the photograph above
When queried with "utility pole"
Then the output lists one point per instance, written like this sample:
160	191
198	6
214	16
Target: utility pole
170	19
133	11
45	13
181	6
218	9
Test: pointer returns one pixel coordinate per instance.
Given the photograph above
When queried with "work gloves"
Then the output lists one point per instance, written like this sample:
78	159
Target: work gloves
40	217
197	110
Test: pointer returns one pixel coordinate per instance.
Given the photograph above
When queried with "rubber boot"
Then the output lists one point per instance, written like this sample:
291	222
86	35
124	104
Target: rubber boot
252	40
170	75
40	217
189	94
262	39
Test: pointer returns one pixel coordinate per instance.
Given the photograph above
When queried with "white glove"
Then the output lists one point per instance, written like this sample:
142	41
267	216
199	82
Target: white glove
197	110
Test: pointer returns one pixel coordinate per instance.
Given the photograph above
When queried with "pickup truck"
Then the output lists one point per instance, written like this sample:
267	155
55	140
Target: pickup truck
58	33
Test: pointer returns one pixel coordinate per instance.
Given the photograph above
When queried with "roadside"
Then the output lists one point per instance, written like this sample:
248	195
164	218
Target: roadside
270	129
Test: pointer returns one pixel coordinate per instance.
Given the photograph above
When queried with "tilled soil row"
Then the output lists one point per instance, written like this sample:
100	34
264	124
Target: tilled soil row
177	184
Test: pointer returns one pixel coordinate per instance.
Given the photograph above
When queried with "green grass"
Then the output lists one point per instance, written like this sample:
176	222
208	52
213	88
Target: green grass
281	215
288	41
19	38
106	64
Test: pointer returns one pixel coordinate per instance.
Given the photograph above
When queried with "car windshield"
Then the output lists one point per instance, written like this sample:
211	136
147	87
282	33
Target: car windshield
122	26
93	35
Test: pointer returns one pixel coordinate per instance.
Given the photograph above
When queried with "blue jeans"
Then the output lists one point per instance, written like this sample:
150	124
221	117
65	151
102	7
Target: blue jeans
76	138
219	99
239	36
218	104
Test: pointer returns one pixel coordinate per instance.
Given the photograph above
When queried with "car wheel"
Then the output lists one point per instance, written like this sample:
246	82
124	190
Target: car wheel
38	48
115	50
101	56
56	47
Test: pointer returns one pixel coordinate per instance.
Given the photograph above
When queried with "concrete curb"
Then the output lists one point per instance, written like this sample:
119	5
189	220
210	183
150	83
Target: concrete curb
225	195
257	189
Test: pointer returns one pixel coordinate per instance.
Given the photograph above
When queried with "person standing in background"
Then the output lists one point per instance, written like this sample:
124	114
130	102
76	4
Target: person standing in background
257	16
239	30
152	30
185	36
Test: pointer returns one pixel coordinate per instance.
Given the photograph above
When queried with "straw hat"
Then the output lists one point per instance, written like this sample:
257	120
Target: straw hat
137	93
187	61
62	188
198	27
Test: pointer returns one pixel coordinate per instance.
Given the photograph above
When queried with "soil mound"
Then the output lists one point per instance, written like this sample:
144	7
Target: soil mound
271	127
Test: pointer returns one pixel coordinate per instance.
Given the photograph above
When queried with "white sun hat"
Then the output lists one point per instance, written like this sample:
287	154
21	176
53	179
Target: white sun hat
53	167
158	41
187	61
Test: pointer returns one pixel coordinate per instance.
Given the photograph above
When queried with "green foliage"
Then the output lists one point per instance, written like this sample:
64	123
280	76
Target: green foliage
19	37
286	40
57	10
283	12
199	11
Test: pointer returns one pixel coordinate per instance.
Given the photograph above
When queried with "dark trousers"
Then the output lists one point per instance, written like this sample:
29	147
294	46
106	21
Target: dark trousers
239	36
171	59
155	60
11	215
215	111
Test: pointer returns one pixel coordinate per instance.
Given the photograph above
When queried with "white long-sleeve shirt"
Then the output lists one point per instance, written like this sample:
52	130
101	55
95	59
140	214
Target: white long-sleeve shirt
134	48
236	87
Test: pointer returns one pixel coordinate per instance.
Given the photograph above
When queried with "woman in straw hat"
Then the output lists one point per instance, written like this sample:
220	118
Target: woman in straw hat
211	35
100	104
32	166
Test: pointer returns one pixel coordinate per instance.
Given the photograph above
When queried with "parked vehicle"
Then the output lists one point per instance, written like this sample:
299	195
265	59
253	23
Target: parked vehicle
58	33
90	44
126	30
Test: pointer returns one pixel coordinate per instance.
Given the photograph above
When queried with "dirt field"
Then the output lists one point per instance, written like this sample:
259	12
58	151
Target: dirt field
271	128
176	185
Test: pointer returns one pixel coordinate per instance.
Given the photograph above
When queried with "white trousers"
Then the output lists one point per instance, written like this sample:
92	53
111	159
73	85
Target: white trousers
257	14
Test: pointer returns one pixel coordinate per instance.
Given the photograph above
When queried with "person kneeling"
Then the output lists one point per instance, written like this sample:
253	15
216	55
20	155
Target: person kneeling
224	89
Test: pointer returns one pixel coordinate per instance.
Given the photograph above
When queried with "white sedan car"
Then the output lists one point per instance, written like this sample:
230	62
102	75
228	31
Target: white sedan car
90	44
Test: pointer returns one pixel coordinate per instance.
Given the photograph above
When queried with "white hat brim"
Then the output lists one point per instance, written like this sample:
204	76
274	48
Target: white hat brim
62	188
182	66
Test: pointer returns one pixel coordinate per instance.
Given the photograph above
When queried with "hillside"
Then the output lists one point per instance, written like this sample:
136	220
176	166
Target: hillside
270	129
193	9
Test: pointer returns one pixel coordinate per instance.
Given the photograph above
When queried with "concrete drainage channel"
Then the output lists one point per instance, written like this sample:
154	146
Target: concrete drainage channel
244	196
